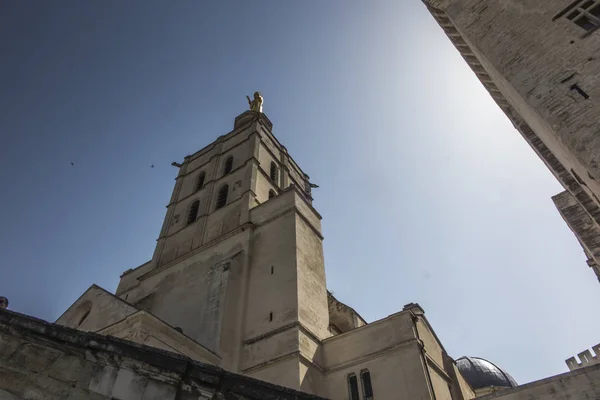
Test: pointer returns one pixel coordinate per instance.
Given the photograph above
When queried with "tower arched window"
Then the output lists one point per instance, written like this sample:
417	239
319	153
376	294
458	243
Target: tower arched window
353	387
200	181
222	196
365	378
193	214
273	172
271	194
228	165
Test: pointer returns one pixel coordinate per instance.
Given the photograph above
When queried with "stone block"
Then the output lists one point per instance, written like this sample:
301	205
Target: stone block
43	387
33	358
4	395
8	345
103	380
159	391
129	385
12	380
71	369
81	394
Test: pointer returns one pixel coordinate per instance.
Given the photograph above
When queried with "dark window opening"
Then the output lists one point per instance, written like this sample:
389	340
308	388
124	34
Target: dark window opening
584	13
83	317
228	165
365	377
270	317
579	90
200	181
193	214
222	196
273	172
352	387
272	270
271	194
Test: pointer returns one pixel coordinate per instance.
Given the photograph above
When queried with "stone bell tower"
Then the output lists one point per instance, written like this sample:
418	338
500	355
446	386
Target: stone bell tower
238	265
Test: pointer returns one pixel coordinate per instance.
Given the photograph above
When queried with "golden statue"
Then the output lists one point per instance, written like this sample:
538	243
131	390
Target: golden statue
257	103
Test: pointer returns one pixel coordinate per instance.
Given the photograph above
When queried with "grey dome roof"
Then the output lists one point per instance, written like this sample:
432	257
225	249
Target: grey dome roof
481	373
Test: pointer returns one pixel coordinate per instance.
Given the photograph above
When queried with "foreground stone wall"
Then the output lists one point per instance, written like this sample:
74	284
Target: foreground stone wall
39	360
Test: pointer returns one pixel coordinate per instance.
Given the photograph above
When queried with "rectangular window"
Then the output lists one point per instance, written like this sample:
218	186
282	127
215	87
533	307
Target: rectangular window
352	387
584	13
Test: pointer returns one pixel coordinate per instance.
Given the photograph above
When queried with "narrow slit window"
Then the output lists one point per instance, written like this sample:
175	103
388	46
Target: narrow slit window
83	317
270	317
352	387
222	196
272	270
271	194
365	377
200	181
228	165
273	172
193	214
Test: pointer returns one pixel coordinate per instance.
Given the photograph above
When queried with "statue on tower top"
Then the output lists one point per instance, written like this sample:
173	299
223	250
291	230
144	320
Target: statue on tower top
257	103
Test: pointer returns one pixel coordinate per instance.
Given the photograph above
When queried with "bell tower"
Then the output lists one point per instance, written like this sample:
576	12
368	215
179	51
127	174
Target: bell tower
238	265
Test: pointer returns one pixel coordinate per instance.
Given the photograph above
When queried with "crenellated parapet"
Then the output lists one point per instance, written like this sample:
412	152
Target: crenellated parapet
585	357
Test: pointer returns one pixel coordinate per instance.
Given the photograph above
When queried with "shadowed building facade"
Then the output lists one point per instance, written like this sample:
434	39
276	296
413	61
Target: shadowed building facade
538	59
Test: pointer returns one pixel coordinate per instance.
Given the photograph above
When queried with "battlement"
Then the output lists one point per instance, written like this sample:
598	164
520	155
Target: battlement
585	357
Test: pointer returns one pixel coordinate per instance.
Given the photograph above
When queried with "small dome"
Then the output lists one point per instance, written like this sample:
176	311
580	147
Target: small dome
481	373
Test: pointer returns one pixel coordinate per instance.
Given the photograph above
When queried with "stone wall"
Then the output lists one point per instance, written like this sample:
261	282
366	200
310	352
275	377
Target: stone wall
39	360
534	63
536	69
581	384
201	294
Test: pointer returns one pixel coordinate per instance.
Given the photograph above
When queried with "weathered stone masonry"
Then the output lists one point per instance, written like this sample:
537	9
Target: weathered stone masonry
40	360
565	135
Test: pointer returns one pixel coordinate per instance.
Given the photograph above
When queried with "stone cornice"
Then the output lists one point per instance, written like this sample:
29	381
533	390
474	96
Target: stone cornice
370	356
281	329
192	253
399	314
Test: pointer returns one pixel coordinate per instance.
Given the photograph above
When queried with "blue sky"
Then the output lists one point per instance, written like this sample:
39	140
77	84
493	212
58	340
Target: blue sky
428	193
